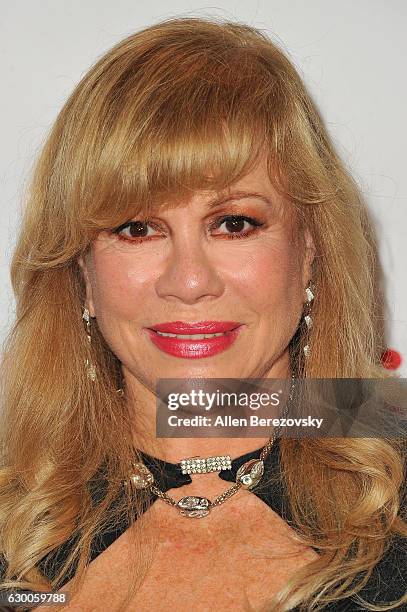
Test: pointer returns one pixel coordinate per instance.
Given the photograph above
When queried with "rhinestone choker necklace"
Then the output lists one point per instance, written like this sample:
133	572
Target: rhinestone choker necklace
193	506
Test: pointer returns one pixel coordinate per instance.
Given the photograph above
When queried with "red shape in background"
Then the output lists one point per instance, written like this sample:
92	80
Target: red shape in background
391	359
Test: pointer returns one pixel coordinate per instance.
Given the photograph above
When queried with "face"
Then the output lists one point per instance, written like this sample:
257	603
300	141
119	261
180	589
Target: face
234	261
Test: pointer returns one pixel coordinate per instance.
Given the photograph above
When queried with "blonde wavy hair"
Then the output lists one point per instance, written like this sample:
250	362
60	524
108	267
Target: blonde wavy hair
183	105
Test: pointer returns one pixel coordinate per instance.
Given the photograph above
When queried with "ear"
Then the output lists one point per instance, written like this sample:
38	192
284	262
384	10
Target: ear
309	256
84	265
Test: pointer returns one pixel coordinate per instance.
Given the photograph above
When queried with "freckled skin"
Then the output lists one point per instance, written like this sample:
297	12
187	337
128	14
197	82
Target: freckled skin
234	559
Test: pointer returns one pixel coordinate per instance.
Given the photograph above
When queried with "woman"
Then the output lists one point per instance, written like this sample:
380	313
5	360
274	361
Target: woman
189	178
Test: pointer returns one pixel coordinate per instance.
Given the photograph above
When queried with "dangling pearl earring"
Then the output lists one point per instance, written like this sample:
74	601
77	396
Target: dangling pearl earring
307	316
91	370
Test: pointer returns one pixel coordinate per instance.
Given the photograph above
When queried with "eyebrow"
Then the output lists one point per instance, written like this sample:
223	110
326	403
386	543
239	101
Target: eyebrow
238	195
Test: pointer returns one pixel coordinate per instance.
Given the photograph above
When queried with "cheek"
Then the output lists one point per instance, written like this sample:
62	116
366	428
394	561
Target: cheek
119	287
270	279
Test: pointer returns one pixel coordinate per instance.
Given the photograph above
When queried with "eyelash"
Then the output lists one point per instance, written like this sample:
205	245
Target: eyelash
214	225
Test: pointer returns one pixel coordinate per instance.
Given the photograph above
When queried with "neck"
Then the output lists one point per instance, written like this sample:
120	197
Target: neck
142	404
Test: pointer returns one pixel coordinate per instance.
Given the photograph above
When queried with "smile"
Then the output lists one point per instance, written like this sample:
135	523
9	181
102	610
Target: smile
193	346
191	336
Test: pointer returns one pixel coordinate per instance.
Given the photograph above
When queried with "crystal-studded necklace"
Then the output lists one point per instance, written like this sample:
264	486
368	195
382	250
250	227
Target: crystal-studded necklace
193	506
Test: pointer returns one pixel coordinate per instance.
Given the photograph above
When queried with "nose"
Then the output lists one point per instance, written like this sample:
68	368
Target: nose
189	274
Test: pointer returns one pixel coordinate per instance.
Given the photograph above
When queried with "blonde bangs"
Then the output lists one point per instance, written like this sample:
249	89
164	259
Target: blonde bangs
162	116
198	133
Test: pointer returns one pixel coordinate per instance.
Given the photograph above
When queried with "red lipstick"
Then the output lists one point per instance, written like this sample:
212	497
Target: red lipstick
194	348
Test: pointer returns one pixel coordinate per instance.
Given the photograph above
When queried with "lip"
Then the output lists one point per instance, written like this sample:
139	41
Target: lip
199	327
194	349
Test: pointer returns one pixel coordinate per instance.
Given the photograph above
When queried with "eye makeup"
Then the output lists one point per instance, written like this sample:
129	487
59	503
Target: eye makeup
239	220
233	224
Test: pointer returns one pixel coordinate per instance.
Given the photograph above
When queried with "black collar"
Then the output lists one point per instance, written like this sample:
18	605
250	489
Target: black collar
169	475
270	489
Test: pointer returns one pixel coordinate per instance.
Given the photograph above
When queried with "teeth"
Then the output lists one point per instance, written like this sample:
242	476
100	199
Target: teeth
190	336
166	335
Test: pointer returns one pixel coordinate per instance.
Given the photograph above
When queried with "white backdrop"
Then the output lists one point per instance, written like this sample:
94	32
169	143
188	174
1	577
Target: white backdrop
351	54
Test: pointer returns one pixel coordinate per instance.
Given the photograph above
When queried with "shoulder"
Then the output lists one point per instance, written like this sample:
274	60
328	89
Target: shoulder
388	581
391	571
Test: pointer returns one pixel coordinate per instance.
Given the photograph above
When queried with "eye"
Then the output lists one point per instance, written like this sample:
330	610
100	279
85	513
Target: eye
235	225
133	230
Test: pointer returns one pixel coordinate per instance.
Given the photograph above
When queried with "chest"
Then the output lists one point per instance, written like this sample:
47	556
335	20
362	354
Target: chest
234	559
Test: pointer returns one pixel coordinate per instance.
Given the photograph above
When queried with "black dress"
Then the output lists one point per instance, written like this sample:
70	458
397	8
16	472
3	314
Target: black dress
388	581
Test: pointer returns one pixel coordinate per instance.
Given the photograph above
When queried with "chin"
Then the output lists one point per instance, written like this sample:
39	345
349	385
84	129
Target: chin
200	369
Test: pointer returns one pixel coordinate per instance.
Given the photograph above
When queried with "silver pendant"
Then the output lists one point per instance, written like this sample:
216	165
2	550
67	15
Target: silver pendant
141	476
250	473
194	507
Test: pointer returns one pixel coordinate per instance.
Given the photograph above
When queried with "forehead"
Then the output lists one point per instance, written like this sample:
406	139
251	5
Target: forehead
256	186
